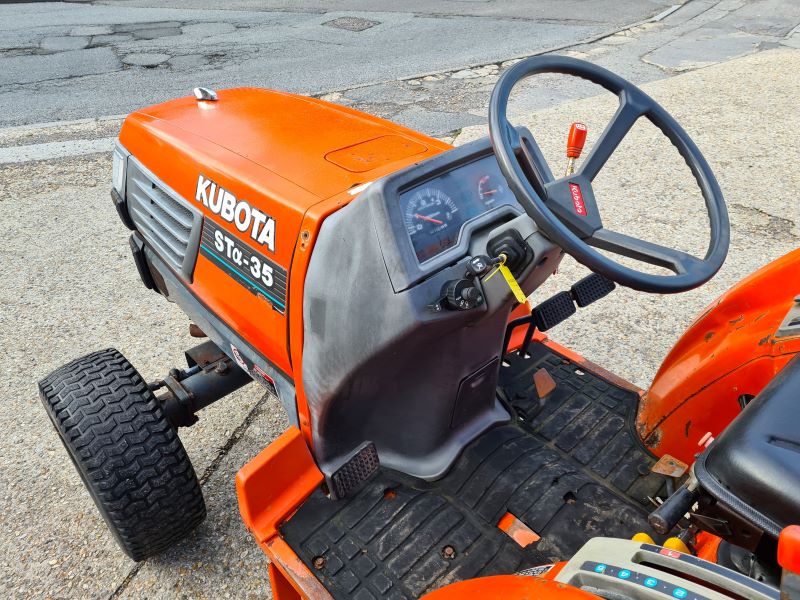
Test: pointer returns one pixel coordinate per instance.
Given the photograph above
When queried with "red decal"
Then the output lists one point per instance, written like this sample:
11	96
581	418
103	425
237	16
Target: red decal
670	553
577	199
260	372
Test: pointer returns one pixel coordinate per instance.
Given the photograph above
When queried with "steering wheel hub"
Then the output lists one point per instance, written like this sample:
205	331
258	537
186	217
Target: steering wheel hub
572	200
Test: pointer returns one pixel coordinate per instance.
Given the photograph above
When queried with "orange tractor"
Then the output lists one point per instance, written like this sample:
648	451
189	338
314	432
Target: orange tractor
376	281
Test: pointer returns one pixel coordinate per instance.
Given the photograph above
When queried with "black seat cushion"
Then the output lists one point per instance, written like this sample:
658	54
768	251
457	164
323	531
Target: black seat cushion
754	465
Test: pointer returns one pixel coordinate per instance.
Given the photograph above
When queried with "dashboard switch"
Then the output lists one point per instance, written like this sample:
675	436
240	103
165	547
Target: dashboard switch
478	265
517	252
461	294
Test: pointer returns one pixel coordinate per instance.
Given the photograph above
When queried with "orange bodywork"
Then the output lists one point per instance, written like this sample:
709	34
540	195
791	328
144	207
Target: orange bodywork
270	488
510	587
789	549
274	483
517	530
707	546
294	158
729	351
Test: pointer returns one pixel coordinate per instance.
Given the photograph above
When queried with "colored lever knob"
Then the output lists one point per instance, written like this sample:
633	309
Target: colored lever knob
576	140
789	548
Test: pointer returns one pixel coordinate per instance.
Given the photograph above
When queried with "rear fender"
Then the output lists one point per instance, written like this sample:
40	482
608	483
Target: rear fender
730	352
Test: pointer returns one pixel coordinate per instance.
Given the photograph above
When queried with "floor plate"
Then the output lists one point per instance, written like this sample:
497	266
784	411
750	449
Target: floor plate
569	468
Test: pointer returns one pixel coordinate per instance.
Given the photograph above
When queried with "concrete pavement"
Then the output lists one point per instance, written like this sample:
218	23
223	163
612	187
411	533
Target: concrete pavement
683	38
408	89
68	286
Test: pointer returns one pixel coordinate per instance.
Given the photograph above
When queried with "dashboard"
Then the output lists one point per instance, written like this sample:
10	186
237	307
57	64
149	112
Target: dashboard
436	211
427	215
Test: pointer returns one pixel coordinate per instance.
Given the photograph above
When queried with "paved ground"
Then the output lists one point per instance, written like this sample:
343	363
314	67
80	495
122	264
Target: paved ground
91	59
726	69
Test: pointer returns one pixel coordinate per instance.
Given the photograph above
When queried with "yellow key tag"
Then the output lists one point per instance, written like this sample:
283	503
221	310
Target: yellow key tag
512	283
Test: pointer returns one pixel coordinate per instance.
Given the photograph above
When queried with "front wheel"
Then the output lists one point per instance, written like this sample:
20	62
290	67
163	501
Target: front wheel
125	450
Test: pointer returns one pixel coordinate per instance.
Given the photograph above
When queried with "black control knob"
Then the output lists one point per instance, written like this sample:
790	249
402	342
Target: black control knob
461	294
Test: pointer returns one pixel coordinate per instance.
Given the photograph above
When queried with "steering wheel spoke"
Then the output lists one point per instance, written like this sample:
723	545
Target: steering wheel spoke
647	252
537	167
629	110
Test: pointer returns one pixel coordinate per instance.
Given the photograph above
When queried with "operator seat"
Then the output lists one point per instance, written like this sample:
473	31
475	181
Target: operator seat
753	467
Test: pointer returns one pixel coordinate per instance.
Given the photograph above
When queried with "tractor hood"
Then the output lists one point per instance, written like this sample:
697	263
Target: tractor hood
278	153
253	162
320	147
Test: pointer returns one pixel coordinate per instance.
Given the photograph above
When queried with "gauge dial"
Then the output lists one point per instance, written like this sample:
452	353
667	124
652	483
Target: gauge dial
429	211
432	221
490	190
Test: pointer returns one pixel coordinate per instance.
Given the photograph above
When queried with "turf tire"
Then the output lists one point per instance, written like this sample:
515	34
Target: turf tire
127	453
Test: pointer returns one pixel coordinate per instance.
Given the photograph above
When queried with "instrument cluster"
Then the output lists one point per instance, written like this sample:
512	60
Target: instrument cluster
435	212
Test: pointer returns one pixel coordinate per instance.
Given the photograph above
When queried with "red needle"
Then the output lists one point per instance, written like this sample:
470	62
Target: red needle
431	219
489	192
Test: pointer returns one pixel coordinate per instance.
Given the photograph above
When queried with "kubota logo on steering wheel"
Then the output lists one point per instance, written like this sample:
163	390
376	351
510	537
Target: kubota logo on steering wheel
577	199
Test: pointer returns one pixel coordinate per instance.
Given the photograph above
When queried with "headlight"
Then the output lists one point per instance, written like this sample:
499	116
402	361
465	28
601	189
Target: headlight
119	165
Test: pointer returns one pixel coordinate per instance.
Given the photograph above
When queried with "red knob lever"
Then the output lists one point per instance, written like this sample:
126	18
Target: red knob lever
576	140
789	548
789	559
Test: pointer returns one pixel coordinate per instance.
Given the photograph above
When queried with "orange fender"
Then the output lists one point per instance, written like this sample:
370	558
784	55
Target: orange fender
729	351
510	587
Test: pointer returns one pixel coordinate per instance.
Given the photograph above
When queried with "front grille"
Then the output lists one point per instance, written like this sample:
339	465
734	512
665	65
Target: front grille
166	221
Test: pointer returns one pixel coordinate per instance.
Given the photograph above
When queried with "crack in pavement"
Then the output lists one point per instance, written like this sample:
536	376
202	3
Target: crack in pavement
687	28
586	41
147	27
33	85
127	581
235	437
722	9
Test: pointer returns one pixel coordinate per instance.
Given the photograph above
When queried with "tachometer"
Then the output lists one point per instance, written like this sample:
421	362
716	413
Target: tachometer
432	220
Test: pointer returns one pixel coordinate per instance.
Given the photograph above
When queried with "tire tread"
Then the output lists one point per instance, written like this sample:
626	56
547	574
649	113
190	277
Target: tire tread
127	453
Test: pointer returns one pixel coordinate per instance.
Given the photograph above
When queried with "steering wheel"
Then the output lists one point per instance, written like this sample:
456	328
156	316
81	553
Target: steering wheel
565	209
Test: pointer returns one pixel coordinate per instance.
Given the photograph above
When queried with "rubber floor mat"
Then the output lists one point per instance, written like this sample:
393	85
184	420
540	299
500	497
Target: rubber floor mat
401	537
586	418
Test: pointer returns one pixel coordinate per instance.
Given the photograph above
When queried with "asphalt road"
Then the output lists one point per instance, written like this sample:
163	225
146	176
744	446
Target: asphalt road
727	69
67	61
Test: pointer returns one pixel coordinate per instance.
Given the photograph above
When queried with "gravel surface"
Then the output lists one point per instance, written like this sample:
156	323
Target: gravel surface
69	288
